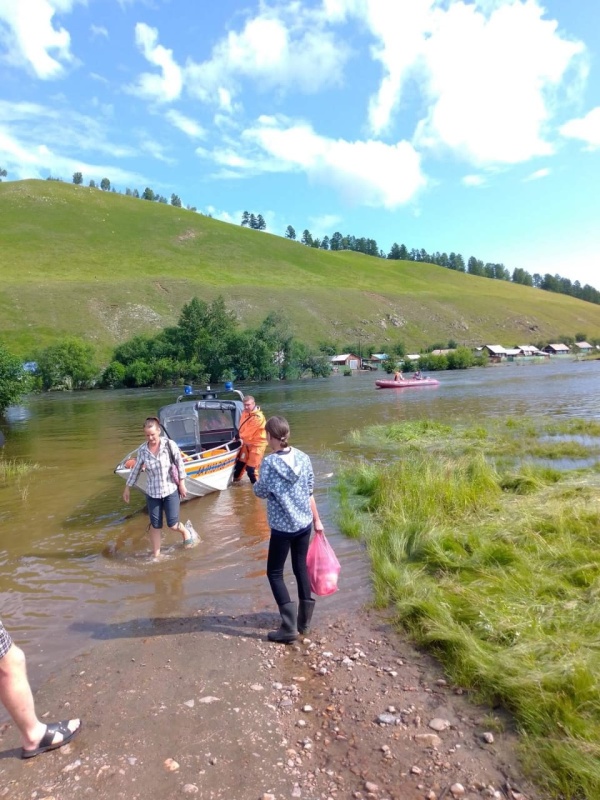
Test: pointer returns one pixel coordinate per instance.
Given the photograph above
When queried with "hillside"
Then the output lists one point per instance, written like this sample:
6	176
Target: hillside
105	267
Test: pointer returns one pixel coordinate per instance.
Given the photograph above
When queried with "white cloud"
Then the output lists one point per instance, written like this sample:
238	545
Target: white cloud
586	129
185	124
474	180
31	39
487	107
538	174
33	142
369	173
161	88
98	30
22	160
324	224
155	149
224	216
283	47
489	73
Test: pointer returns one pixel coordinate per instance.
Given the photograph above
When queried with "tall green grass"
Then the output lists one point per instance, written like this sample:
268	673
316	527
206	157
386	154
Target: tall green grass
12	468
498	574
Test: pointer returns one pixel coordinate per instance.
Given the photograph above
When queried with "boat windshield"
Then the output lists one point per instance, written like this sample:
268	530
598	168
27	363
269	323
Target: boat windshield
200	425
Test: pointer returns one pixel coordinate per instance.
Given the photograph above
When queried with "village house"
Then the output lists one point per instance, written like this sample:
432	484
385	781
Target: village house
495	352
584	347
377	358
557	349
346	360
530	350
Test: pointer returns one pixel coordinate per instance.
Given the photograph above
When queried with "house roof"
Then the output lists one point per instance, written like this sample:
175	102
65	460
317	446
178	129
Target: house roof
496	349
343	357
558	346
584	345
380	356
529	348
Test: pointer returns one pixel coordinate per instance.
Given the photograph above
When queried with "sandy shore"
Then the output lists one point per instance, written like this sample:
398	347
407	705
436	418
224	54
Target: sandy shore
204	706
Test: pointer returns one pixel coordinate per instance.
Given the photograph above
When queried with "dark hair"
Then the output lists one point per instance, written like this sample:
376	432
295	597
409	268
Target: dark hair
278	428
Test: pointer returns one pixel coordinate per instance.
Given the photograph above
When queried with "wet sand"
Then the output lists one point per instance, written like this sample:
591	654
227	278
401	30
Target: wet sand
203	705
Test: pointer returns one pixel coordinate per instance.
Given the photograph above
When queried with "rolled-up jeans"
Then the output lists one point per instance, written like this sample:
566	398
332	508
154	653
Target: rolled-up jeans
280	545
168	504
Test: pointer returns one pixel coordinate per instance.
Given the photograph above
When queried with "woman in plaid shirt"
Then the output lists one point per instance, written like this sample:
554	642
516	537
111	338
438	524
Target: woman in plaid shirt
162	493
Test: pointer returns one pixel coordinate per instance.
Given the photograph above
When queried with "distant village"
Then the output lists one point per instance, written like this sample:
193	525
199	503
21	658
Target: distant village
495	353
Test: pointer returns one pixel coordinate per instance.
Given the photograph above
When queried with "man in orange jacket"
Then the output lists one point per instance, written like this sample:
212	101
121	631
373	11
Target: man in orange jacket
254	441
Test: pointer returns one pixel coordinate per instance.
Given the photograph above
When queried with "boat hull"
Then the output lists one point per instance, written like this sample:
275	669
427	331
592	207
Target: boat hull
407	383
204	473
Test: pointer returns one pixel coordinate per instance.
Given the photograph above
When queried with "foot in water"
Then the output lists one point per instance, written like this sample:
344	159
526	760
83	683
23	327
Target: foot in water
192	538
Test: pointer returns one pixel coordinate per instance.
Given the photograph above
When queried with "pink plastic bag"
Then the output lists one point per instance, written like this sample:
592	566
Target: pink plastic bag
323	566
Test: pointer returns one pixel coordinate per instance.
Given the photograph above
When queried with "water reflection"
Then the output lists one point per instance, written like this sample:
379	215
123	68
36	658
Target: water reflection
73	556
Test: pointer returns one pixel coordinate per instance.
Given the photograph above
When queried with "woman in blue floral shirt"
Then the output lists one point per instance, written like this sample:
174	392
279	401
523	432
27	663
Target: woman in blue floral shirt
286	481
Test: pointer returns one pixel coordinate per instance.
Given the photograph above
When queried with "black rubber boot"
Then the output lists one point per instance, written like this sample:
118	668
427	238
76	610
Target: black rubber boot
288	631
305	612
238	469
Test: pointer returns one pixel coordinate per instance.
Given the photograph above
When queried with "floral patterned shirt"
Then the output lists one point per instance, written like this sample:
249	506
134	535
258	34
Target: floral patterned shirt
287	481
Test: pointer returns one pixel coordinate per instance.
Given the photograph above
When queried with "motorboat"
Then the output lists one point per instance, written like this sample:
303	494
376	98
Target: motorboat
205	427
407	383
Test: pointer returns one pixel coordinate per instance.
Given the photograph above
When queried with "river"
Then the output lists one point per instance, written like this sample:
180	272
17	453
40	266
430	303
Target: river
73	556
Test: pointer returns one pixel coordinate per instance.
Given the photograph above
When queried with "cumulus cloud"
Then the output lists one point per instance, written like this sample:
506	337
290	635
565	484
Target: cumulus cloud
161	88
486	107
586	129
31	39
369	173
287	46
488	73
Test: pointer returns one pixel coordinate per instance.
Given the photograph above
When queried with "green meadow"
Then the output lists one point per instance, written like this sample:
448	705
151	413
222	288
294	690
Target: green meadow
489	556
103	266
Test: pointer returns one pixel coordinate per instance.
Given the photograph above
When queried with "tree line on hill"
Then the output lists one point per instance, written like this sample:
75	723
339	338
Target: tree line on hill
454	261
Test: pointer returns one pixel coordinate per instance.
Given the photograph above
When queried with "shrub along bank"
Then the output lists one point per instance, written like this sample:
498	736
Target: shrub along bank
494	565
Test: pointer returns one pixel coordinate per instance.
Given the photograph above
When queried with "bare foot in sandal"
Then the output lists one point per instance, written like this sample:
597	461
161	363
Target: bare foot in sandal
57	735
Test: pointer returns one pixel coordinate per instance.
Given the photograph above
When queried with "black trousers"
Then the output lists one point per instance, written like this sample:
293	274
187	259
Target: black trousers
280	545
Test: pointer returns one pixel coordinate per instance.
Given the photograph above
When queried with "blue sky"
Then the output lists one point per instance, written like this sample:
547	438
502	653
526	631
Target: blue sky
471	127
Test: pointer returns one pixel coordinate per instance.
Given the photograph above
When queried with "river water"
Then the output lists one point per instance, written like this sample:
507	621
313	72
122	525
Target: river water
73	556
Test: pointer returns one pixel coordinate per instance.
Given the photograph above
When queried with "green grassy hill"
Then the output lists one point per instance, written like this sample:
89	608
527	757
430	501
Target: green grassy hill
105	267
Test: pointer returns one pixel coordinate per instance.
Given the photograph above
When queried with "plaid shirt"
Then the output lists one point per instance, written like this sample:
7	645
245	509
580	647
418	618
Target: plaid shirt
158	468
5	640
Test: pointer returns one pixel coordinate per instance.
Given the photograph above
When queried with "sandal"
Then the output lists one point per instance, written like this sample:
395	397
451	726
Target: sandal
47	741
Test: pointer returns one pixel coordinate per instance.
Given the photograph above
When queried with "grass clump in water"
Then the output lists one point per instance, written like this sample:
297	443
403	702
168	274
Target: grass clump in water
499	576
10	469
